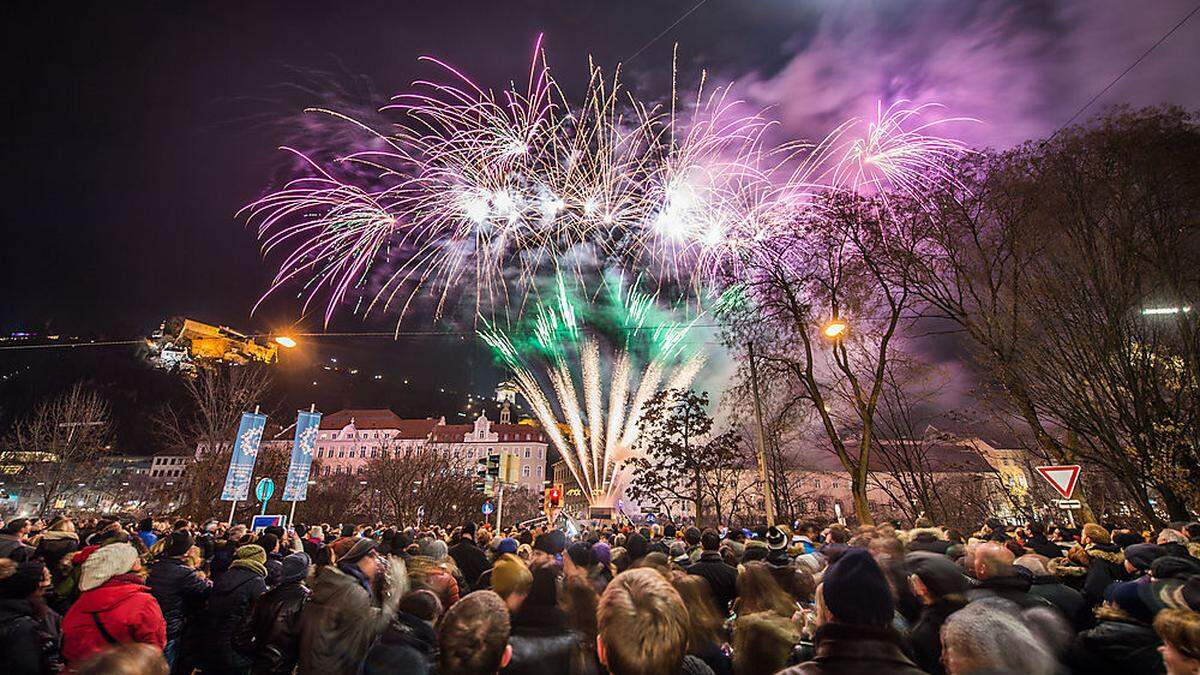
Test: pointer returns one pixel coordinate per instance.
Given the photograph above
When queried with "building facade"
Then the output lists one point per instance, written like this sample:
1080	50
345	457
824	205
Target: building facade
349	439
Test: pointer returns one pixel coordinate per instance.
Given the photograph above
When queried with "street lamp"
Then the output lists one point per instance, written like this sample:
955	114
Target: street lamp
835	329
1152	311
285	341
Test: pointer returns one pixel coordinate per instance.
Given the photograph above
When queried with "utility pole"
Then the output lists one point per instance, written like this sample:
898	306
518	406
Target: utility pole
768	499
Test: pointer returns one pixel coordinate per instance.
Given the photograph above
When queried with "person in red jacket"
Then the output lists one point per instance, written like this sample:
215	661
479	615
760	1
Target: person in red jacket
114	607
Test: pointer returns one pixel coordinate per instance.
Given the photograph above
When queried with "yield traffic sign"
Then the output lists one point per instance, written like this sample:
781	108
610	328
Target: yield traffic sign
1063	478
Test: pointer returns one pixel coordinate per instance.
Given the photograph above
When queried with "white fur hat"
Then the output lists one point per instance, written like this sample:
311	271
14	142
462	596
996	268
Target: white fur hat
106	563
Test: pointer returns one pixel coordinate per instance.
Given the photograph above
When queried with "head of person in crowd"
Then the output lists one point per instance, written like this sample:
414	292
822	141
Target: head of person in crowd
1049	625
178	544
691	536
643	625
360	553
1094	533
1126	538
61	524
756	551
636	546
759	592
511	580
423	604
17	527
993	560
1179	630
578	558
507	545
107	562
1174	567
1139	558
705	628
855	591
762	642
474	635
935	578
24	581
134	658
580	602
981	638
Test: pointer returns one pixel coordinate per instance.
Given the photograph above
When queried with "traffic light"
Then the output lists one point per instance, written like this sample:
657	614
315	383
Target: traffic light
493	464
554	497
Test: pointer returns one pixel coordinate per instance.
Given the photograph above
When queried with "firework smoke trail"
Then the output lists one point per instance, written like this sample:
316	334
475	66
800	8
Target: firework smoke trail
571	342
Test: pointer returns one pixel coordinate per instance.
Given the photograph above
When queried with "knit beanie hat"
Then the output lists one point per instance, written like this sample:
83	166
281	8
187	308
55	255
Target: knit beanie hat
602	552
678	549
506	545
856	592
776	539
361	547
19	580
251	552
178	544
295	567
636	546
580	554
1174	567
105	563
1142	556
510	574
1127	597
939	574
553	542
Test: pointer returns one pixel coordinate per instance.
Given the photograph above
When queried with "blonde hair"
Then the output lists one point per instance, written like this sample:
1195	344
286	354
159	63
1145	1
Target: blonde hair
643	624
133	658
1181	628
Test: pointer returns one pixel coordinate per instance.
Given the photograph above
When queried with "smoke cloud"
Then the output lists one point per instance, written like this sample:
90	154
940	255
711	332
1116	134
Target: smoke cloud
1021	68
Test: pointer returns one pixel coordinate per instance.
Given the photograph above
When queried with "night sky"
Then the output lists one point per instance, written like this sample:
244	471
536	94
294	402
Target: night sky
136	130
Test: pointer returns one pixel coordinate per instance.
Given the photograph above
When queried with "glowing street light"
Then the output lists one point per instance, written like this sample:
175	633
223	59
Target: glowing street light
835	329
1153	311
285	341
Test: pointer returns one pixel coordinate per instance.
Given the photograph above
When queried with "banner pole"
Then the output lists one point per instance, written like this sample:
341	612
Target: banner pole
292	516
231	509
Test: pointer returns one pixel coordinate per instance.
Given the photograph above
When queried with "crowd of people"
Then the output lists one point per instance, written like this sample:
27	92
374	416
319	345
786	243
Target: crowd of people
106	596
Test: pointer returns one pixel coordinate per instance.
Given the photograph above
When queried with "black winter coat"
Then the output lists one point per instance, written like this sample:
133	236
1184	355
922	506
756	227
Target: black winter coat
925	635
1116	647
229	603
721	577
1014	588
543	644
1068	600
409	645
180	592
52	548
30	645
1106	564
470	560
856	650
270	635
274	567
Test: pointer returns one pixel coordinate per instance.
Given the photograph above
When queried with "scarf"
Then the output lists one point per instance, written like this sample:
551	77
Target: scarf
252	565
353	571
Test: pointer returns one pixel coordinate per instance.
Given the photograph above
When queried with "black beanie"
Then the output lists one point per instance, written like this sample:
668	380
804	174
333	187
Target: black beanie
580	554
553	542
856	592
178	544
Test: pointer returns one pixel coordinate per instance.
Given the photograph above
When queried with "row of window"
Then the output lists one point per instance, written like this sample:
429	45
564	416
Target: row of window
324	452
364	435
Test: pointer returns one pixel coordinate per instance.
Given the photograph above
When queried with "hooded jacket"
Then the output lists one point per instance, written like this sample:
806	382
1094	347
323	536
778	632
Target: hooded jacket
180	592
123	607
846	649
338	624
52	547
231	599
29	644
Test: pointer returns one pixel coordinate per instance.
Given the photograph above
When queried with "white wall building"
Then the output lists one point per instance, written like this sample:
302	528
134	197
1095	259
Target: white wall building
349	439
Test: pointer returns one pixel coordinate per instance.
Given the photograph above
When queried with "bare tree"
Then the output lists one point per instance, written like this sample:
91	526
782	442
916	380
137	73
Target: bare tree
217	397
427	477
848	259
60	444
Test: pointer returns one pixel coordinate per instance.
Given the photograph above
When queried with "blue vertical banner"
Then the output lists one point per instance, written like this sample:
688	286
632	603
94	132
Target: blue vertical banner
241	462
307	425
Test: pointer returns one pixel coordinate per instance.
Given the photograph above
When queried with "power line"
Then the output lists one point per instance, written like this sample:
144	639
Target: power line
1125	72
666	30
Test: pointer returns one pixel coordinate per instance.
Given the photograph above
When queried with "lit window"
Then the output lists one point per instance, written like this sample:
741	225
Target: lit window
525	471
